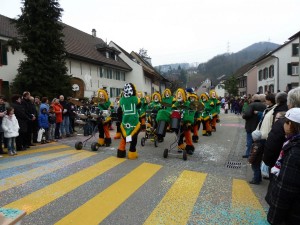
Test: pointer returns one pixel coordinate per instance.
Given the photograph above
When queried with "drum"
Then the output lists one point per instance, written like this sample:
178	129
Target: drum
163	115
105	114
189	116
175	119
95	111
82	113
161	128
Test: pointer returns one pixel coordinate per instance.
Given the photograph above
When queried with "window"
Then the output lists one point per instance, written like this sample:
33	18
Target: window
260	90
109	73
265	73
293	68
295	49
260	75
117	75
113	92
271	71
104	70
266	88
122	76
100	72
271	88
107	54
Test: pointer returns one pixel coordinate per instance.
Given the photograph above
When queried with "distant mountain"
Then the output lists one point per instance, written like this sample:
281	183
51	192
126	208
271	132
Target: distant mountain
169	67
228	63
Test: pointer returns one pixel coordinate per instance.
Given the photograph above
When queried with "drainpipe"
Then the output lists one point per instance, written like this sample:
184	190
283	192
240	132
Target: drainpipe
277	73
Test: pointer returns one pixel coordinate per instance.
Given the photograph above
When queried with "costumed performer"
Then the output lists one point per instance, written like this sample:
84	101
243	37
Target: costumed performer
104	119
130	125
206	114
216	109
182	103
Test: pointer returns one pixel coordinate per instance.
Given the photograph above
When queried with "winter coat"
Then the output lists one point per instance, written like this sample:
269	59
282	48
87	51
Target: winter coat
21	116
251	118
2	110
43	120
267	121
284	191
256	153
274	143
58	112
10	126
43	106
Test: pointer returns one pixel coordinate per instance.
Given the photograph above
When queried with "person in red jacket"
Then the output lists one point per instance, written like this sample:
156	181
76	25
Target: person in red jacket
58	109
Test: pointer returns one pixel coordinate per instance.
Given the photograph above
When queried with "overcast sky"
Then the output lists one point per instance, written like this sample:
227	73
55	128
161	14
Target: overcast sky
179	31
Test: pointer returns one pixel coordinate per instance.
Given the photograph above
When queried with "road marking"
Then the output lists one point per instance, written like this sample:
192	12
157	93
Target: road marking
178	203
37	150
98	208
214	202
22	178
35	159
33	201
245	208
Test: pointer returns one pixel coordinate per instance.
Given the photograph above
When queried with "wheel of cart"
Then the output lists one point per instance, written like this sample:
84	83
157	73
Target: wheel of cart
175	125
151	124
90	128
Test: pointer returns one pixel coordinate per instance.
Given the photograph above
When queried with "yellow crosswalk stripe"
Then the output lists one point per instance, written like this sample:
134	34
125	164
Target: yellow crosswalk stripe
37	150
33	201
245	208
35	159
178	203
22	178
98	208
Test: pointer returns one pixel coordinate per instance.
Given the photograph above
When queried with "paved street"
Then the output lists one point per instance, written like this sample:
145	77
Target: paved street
56	184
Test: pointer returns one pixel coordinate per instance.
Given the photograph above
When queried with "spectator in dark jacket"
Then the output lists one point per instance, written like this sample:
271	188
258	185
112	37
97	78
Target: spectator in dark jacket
23	120
252	120
284	191
276	136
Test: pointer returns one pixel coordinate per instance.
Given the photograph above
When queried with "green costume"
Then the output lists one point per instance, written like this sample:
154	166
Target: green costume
130	119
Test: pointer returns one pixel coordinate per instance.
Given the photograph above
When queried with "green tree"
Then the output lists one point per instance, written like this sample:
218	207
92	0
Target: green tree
231	86
44	70
183	77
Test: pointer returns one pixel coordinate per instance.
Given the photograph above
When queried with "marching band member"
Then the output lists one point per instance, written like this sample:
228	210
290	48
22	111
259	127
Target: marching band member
142	110
206	114
105	120
213	98
130	125
183	104
193	98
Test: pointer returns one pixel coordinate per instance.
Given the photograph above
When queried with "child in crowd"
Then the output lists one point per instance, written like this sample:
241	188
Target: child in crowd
44	123
255	157
11	128
52	124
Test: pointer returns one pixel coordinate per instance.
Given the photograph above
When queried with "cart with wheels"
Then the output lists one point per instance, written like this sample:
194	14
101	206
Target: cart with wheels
151	125
176	125
94	117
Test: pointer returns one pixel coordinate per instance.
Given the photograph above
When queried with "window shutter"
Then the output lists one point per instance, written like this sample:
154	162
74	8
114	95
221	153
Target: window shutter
289	68
3	54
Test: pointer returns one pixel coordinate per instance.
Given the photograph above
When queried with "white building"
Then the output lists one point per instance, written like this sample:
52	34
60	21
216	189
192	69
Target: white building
92	63
143	74
279	69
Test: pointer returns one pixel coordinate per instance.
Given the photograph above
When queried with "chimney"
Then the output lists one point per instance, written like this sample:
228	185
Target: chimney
94	33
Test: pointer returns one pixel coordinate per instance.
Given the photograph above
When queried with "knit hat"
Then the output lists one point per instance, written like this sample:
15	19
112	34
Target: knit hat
256	135
293	115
